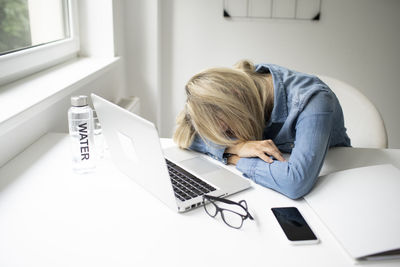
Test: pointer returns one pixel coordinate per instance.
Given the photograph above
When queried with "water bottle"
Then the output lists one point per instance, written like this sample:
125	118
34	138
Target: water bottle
80	119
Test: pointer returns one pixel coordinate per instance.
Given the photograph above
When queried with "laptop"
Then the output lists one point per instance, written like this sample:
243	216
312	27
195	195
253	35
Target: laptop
179	178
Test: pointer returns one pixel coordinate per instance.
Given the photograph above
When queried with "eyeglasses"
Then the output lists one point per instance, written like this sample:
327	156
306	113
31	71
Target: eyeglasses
233	218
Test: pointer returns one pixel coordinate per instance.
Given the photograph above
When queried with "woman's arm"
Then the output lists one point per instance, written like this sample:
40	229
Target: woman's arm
262	149
207	147
296	177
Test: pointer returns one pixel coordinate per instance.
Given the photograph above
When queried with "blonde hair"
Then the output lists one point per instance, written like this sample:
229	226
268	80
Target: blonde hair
238	97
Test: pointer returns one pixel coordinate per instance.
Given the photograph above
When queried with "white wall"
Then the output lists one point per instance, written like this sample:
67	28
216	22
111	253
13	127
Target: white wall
356	41
142	46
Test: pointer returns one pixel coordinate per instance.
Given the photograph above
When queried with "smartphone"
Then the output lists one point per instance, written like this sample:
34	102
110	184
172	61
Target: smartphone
294	226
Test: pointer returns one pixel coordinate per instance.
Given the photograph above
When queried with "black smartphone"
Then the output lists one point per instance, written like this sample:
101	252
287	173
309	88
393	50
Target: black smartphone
294	226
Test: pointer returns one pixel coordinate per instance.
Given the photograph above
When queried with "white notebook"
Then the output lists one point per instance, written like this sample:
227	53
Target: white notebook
361	208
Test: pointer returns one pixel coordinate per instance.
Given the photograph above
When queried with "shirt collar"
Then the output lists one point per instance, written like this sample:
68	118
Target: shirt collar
279	112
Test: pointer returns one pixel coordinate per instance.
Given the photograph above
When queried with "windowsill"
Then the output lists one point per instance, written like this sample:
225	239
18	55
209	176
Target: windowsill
39	91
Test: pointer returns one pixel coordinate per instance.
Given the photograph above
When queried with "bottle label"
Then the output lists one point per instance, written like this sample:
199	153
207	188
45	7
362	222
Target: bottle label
84	141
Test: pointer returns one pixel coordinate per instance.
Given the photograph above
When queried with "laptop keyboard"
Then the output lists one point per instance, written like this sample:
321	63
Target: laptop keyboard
186	186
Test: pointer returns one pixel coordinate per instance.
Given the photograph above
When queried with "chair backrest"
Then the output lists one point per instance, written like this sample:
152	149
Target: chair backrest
364	124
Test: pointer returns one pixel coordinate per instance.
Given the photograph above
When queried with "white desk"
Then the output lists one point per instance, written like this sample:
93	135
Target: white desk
50	216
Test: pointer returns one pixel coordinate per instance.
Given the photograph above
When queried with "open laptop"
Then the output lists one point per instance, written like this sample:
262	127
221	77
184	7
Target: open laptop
175	176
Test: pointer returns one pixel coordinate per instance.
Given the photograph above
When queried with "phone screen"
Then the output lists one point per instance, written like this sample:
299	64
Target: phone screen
293	224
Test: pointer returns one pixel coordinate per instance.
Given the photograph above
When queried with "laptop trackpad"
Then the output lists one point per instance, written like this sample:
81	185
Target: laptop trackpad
198	165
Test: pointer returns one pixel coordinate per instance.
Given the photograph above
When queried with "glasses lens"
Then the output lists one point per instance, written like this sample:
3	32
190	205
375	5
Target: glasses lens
211	209
232	219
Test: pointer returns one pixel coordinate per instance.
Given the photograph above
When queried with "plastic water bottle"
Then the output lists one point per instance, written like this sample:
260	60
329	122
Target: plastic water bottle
80	119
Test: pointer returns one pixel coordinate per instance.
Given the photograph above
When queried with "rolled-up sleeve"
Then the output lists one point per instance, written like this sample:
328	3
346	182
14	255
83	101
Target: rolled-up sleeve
297	176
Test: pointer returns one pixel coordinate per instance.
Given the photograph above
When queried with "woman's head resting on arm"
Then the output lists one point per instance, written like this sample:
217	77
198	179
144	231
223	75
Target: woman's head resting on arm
224	105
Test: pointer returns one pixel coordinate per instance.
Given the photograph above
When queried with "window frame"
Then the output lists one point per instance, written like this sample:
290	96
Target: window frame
24	62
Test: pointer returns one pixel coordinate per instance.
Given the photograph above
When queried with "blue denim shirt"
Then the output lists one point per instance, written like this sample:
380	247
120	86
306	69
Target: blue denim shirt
305	121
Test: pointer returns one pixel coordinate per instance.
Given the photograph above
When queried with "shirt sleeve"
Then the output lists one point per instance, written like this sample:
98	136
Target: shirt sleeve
207	147
297	176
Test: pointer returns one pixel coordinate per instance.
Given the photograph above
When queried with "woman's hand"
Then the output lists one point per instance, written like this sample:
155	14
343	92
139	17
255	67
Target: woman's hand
233	159
262	149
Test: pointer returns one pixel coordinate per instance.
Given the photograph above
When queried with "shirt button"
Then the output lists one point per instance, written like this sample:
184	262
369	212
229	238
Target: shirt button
291	145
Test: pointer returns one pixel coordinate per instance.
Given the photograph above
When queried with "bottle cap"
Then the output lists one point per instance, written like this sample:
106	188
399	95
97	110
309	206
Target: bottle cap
79	101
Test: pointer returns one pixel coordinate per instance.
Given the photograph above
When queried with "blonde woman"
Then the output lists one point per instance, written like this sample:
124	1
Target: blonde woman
248	115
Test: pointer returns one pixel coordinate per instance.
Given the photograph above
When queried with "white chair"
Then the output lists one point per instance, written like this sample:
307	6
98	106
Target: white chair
364	124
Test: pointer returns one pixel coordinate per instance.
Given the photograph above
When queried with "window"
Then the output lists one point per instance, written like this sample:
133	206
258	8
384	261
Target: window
35	34
28	23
